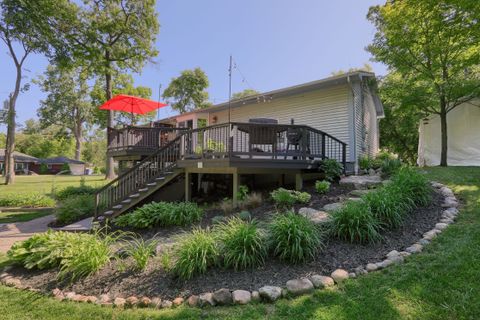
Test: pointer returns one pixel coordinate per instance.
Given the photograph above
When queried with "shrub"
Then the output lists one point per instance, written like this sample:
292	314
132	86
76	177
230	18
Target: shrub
354	222
332	169
226	206
364	162
161	214
252	200
242	192
43	168
294	238
75	191
388	205
218	219
76	254
413	185
243	245
74	209
287	198
322	186
30	200
390	167
196	252
141	251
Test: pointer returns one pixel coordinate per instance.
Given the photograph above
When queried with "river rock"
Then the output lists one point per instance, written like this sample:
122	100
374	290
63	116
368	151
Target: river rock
241	297
192	301
255	296
415	248
298	287
332	206
156	303
222	297
371	267
178	301
119	302
270	293
206	299
322	282
339	275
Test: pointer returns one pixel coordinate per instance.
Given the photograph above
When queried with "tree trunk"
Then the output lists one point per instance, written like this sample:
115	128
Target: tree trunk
110	172
443	124
10	147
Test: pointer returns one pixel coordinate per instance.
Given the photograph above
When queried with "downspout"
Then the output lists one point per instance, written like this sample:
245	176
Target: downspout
353	150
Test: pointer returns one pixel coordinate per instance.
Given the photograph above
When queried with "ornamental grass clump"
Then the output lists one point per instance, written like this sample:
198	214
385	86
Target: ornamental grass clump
285	199
196	252
354	222
389	206
413	186
140	251
242	244
161	214
294	238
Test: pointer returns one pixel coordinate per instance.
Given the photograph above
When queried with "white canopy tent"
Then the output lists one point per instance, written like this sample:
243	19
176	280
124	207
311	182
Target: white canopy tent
463	128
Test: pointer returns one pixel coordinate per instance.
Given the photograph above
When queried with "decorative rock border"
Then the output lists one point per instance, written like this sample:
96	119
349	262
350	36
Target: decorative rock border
294	287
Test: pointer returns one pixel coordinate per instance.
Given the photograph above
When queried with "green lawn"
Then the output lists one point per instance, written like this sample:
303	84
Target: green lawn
23	215
440	283
44	184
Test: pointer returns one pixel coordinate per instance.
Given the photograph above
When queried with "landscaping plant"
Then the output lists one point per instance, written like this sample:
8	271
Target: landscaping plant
332	169
322	186
285	198
242	244
226	205
390	166
75	191
75	208
141	251
413	185
196	252
245	215
27	200
354	222
161	214
252	200
242	192
294	238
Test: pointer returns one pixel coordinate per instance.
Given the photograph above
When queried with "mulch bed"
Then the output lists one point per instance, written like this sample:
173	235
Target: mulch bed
156	282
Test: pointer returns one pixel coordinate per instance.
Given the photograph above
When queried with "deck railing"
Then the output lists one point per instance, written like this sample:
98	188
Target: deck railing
229	140
142	138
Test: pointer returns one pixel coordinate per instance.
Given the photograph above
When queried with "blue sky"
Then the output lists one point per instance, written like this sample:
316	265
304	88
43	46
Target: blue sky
275	43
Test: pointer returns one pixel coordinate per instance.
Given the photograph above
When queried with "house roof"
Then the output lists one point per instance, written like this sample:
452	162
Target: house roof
61	160
18	157
297	89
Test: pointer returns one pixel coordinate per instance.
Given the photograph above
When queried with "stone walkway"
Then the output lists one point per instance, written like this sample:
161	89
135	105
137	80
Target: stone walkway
79	226
12	232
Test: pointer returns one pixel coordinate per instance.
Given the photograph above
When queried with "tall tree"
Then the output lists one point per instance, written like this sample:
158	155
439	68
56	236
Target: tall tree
67	104
121	84
435	46
188	92
399	128
112	35
245	93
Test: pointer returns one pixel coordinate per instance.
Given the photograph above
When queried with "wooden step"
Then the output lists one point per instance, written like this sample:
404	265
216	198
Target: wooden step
160	178
143	190
135	196
168	172
152	184
108	213
117	207
100	218
127	201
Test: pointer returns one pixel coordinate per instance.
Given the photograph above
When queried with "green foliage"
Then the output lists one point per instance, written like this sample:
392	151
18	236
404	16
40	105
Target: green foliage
354	222
244	94
332	169
75	191
322	186
242	192
366	162
196	252
161	214
413	185
141	251
76	254
28	200
75	208
294	238
43	168
389	206
390	167
242	244
188	91
285	198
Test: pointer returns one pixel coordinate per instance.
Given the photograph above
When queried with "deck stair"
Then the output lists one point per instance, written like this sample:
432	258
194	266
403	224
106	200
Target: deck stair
139	182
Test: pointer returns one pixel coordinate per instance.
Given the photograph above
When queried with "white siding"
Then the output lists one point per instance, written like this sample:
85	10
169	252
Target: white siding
371	125
325	109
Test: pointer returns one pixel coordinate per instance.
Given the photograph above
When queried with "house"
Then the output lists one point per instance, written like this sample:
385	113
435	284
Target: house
463	137
280	135
23	162
58	164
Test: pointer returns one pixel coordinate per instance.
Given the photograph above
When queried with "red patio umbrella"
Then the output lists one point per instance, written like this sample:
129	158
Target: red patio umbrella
131	104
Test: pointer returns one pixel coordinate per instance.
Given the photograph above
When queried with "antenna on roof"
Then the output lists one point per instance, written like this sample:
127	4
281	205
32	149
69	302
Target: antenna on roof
229	88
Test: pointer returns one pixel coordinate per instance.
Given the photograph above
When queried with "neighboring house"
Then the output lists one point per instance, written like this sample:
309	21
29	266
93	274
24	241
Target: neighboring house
59	164
23	162
333	118
463	128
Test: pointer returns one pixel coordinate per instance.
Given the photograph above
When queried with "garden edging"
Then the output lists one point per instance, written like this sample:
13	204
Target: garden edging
293	287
